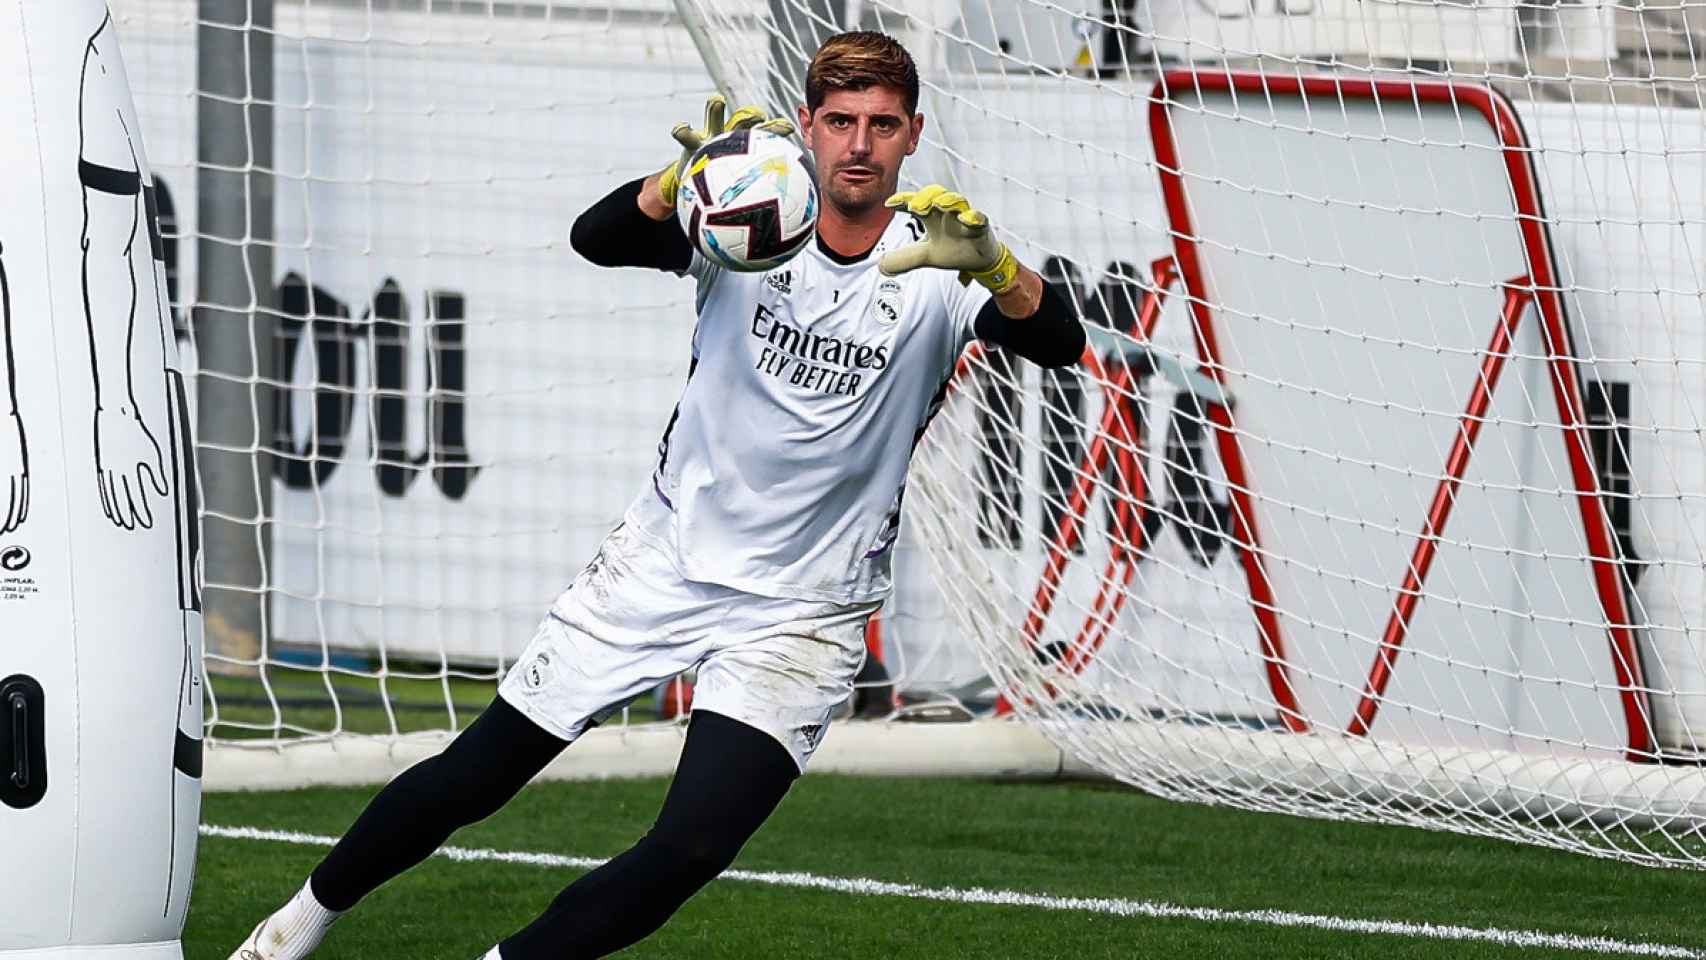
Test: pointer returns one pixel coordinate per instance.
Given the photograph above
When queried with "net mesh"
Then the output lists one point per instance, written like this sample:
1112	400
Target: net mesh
1376	496
452	408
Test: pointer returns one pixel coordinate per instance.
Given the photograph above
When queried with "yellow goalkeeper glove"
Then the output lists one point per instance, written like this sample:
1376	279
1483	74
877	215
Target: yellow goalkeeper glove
956	237
690	139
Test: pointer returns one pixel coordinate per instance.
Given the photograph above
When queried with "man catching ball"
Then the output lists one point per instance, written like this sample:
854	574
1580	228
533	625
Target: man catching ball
763	542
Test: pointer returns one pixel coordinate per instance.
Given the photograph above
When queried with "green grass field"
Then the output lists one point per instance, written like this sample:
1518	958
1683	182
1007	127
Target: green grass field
1064	840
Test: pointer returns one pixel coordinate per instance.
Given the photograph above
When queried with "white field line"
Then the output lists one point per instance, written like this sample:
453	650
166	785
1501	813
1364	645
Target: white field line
1012	898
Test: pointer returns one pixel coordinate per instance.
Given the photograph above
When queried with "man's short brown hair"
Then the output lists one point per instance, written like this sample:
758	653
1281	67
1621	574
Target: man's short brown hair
860	59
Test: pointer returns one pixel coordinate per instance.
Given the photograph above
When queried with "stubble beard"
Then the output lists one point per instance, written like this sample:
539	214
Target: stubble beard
856	201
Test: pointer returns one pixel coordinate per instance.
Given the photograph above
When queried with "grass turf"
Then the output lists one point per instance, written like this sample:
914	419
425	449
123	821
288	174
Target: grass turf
1061	839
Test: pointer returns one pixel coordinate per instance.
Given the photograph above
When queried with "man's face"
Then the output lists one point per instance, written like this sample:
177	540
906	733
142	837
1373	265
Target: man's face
858	139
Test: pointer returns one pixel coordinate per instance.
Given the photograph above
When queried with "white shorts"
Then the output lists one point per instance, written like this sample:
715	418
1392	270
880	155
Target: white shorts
630	621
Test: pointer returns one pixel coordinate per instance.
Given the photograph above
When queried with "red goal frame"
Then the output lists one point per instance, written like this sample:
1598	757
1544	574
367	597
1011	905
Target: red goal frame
1538	287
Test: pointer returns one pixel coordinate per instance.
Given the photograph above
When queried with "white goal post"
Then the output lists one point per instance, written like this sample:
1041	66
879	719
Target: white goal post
1380	493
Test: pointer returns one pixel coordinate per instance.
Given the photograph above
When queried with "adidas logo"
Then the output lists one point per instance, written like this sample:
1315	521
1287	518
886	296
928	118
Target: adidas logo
781	280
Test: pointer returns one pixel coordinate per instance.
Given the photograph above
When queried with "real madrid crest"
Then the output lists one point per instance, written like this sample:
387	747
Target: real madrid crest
888	302
538	672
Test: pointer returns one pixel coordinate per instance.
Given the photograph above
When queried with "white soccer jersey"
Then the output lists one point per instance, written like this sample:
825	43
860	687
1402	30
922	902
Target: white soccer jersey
782	470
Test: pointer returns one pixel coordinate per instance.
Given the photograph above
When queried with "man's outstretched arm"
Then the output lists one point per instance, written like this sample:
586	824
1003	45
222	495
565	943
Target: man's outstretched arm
619	232
1025	314
1049	335
635	225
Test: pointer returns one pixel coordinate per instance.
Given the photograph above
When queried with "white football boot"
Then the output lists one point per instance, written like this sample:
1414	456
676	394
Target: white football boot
291	933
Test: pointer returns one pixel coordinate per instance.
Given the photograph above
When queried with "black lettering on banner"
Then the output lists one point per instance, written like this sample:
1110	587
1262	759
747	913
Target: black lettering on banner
388	415
1063	406
331	339
313	322
1121	33
1113	304
446	391
1185	498
1202	523
1607	406
1001	411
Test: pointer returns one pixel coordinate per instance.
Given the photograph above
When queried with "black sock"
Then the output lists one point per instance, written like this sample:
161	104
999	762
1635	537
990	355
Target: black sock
415	813
731	776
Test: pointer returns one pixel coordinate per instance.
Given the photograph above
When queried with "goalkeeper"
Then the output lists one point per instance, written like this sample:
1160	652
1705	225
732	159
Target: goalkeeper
763	542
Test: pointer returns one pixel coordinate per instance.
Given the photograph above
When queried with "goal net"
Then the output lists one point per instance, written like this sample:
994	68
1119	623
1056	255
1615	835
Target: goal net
1377	494
449	408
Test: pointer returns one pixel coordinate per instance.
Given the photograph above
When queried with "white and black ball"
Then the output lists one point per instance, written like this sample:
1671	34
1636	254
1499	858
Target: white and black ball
748	200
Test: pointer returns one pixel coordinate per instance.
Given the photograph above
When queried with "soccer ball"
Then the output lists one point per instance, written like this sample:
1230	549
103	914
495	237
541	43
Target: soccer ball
748	200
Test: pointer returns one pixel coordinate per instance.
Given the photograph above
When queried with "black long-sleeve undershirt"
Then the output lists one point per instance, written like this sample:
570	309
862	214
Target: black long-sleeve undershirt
1050	337
615	232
